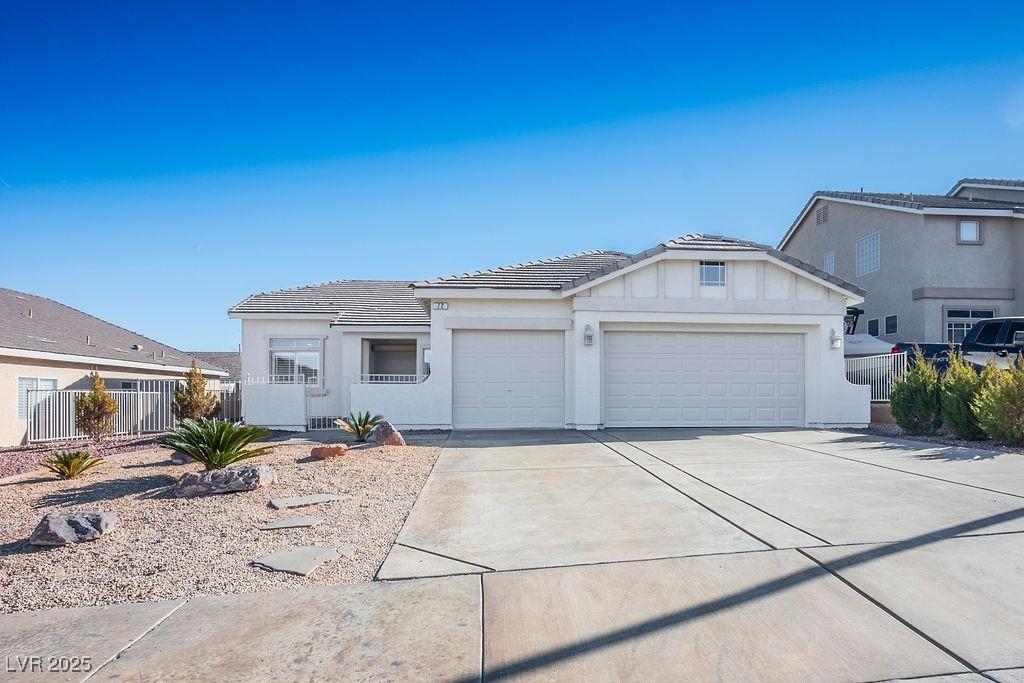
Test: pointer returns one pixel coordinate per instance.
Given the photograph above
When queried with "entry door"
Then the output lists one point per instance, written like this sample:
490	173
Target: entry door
508	379
698	379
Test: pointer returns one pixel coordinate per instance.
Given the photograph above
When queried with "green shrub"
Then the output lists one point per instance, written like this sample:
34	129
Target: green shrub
95	411
193	401
215	443
959	387
71	464
915	400
359	424
999	404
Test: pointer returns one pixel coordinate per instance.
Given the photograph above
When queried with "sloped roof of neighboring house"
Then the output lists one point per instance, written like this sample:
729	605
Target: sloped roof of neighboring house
34	323
912	202
228	361
549	273
996	182
350	302
700	242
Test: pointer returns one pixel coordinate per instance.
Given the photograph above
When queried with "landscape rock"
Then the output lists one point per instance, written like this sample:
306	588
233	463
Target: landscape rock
385	434
227	480
302	561
179	458
302	501
291	523
61	528
327	452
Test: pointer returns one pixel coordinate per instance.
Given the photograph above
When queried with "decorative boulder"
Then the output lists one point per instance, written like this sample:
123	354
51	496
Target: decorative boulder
179	458
384	434
227	480
61	528
327	452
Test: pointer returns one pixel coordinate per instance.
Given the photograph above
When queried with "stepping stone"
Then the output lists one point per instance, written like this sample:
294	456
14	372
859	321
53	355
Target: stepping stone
300	501
291	523
303	560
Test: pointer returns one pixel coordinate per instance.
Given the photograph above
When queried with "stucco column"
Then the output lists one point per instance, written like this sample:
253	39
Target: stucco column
587	380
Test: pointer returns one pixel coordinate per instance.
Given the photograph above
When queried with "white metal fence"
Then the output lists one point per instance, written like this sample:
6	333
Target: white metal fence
878	372
391	379
144	408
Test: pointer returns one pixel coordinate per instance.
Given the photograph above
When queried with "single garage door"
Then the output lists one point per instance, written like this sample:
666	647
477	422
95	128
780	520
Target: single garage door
505	379
697	379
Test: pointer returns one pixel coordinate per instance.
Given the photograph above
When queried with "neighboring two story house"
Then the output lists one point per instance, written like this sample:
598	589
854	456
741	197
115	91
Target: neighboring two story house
932	265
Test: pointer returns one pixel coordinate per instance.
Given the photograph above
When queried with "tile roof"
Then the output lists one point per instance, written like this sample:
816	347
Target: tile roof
228	361
549	273
921	201
701	242
34	323
1002	182
350	302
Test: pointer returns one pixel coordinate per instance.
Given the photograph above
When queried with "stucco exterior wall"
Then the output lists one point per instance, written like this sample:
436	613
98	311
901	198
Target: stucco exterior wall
917	251
68	375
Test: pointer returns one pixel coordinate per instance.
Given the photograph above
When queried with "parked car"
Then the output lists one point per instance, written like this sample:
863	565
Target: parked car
995	339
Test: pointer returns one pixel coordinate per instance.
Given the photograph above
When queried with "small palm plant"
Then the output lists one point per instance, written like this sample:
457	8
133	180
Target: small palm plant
359	424
216	443
71	464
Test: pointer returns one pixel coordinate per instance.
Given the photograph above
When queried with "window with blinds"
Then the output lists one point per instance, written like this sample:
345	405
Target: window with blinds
27	401
295	359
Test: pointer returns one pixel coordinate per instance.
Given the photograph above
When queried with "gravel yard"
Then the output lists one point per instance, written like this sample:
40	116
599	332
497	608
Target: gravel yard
17	459
164	547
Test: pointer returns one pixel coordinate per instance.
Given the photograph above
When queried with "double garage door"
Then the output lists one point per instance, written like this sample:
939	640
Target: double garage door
697	379
516	379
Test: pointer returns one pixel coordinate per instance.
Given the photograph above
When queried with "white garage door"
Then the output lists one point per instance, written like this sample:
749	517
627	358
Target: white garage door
508	379
683	379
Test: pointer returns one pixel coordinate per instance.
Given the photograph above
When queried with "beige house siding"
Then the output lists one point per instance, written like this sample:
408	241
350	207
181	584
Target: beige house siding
917	251
68	375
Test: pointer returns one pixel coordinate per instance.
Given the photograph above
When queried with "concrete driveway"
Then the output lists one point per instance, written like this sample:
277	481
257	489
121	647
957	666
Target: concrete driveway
638	555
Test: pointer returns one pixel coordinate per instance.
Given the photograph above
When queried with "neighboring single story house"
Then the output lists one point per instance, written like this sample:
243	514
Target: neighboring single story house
697	331
228	361
47	345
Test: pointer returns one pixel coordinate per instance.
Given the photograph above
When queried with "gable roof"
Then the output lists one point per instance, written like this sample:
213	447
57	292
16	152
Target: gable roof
986	182
35	323
550	273
907	202
228	361
349	302
718	243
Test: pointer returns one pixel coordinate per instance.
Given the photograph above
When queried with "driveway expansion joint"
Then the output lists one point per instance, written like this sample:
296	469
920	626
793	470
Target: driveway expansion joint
447	557
127	647
892	613
716	488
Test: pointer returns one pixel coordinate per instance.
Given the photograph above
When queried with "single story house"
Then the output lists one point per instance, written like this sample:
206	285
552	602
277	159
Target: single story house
228	361
47	345
697	331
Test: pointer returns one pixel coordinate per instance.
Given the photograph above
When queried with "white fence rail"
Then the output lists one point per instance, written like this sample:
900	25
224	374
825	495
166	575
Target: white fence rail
391	379
143	409
878	372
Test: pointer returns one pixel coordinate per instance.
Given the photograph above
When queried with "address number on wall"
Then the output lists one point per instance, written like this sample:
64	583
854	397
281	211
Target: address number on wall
440	305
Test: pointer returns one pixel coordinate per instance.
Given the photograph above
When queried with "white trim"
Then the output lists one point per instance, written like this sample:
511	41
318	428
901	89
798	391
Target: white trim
107	362
508	323
366	329
698	255
441	292
983	186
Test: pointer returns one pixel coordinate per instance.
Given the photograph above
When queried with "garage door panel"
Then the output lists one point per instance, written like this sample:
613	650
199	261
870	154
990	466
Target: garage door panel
508	379
692	379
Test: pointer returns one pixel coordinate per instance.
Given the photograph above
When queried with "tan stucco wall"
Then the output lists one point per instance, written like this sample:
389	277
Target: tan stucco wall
68	376
916	251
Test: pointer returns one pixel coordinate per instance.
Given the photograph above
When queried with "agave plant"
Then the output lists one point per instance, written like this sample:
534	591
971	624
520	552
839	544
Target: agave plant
71	464
216	443
359	424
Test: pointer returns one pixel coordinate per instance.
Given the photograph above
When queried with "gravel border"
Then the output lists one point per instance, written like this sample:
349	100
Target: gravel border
165	548
17	459
943	437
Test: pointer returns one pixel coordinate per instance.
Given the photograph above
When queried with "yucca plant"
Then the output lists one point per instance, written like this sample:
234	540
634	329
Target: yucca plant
216	443
359	424
71	464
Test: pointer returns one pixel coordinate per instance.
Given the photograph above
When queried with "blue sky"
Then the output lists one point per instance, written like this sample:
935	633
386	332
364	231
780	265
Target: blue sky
158	164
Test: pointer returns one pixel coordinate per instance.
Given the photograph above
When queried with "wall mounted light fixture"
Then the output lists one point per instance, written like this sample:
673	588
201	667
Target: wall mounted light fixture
836	339
588	336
